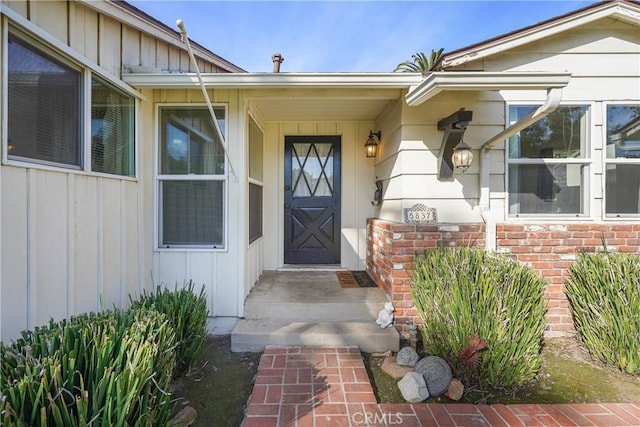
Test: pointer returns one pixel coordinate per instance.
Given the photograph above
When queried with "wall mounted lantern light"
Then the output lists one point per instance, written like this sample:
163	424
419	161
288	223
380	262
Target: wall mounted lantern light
372	145
454	154
462	157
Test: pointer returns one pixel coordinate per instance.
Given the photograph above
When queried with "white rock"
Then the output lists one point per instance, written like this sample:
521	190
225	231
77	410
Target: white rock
413	387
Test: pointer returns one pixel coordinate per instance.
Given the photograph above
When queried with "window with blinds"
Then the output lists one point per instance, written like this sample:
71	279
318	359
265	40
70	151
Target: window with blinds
191	178
46	112
44	99
112	130
256	142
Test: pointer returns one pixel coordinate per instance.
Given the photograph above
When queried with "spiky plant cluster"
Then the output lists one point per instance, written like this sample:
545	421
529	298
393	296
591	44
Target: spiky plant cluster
483	313
604	296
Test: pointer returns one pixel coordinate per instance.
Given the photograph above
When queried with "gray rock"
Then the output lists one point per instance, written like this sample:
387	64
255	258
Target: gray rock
184	418
407	356
436	373
413	388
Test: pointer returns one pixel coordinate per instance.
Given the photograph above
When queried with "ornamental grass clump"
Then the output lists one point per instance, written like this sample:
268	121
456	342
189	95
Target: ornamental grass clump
107	369
483	313
187	312
604	295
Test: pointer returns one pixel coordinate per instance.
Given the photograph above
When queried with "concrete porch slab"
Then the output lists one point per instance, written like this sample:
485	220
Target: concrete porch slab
309	308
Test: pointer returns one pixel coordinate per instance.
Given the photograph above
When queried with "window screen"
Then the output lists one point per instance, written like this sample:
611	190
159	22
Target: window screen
191	178
44	98
112	130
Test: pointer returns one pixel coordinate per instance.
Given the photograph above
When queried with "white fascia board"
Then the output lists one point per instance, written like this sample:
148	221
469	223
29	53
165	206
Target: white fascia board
275	80
440	81
123	15
612	10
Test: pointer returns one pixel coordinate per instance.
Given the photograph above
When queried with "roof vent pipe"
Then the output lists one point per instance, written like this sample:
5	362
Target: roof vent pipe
277	59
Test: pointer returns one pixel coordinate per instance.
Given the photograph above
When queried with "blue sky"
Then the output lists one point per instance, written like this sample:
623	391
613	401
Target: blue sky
351	36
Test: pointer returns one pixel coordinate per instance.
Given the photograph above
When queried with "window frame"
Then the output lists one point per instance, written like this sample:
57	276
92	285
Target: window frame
586	161
158	177
34	36
613	161
254	181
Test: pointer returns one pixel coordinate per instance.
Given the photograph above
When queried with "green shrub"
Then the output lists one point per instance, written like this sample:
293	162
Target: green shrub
483	313
604	296
108	369
188	314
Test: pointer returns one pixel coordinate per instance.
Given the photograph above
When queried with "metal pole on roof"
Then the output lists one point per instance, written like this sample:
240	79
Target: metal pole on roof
185	39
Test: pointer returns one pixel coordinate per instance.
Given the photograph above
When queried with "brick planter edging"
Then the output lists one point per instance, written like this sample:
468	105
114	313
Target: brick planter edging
549	248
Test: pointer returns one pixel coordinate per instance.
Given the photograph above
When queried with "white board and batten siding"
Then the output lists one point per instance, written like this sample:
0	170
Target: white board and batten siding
220	271
72	241
357	181
70	244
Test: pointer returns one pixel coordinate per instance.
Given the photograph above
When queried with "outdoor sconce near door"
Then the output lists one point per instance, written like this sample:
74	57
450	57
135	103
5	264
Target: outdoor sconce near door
454	153
462	157
372	145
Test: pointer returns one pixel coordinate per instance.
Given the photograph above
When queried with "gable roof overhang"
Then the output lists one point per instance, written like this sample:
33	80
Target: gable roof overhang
440	81
623	10
124	12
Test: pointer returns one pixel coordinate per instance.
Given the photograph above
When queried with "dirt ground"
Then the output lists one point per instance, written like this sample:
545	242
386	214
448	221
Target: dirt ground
220	383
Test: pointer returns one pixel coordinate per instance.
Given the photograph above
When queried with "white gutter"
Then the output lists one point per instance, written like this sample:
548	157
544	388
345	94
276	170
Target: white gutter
554	96
275	80
440	81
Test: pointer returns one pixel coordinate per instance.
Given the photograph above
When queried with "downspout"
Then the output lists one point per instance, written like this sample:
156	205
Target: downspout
554	96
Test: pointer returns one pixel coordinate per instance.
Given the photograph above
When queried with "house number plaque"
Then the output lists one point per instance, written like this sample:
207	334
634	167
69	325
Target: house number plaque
420	214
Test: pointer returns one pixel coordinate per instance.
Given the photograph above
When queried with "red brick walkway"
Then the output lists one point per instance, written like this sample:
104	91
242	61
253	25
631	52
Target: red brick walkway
316	387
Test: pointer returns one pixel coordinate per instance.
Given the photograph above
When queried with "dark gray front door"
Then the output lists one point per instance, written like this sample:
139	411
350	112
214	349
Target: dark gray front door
312	200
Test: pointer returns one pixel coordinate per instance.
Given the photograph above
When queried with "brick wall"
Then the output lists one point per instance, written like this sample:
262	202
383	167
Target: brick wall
549	248
391	248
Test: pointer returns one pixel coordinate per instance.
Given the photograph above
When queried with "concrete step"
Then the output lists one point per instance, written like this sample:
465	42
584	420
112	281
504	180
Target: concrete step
255	335
365	310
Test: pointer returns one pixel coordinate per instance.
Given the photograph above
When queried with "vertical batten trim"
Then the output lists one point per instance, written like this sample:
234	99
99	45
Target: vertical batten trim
123	244
3	133
32	303
4	86
71	247
140	193
100	239
214	287
139	242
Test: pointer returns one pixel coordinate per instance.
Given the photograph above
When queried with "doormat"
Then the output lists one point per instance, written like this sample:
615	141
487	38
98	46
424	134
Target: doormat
355	279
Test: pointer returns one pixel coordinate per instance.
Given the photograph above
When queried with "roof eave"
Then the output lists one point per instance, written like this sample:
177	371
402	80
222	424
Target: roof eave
441	81
620	10
274	80
124	12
